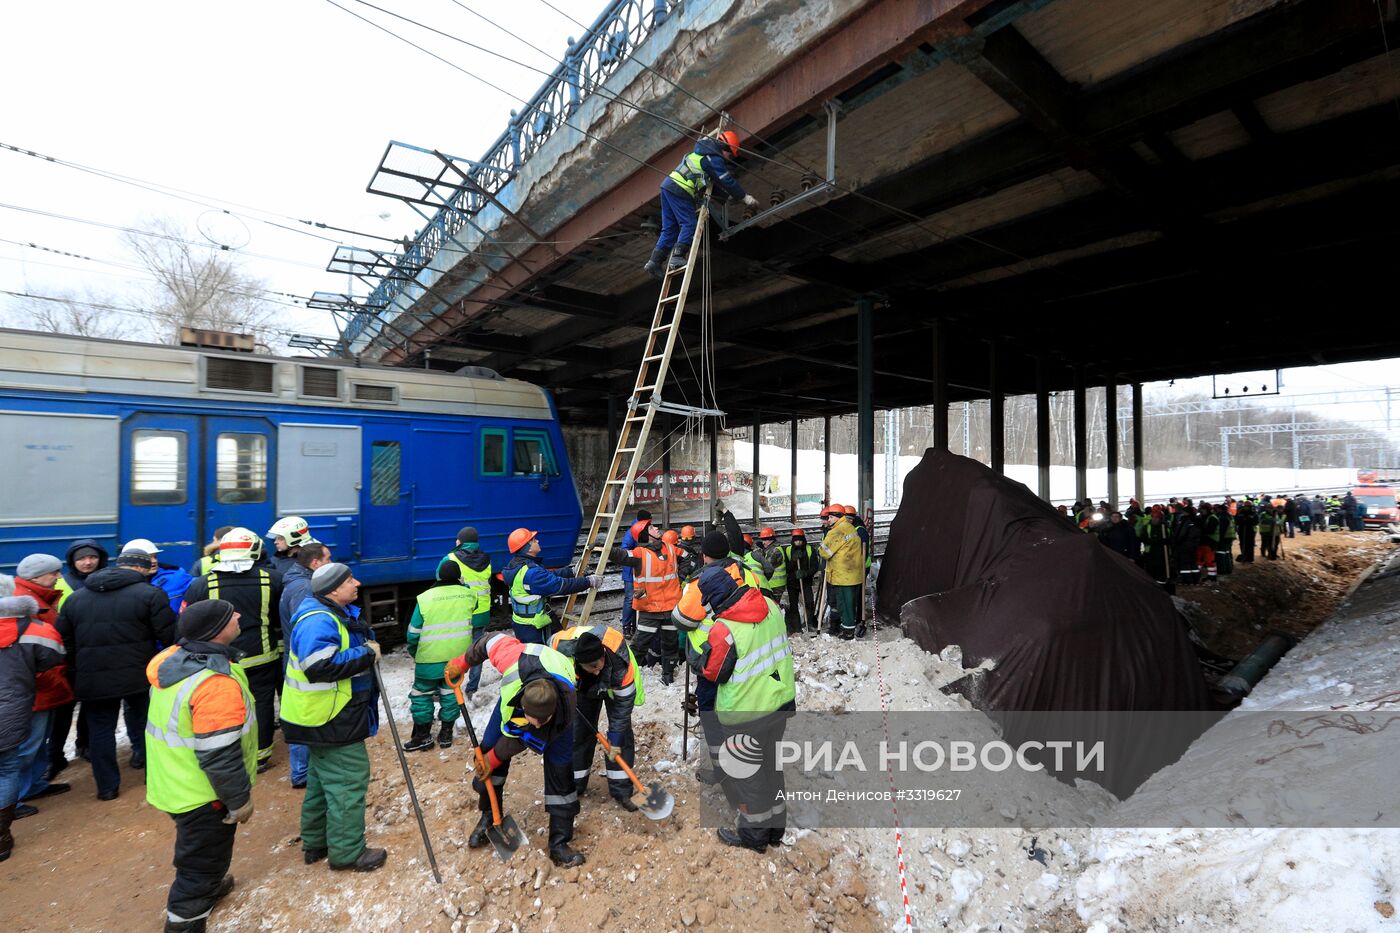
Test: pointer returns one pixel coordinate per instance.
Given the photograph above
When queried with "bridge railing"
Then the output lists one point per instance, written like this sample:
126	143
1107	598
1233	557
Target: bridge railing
589	62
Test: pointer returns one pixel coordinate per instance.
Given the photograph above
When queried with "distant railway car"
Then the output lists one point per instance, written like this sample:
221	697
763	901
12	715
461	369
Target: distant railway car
114	440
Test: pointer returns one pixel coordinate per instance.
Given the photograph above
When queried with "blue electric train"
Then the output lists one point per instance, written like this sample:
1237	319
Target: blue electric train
115	440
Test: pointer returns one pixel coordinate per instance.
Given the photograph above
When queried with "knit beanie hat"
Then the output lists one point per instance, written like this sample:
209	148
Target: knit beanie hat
467	535
328	578
36	565
449	572
85	551
204	620
589	648
539	700
134	559
716	545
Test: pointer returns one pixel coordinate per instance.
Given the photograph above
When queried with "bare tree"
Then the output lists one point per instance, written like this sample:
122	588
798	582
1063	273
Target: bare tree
92	315
199	286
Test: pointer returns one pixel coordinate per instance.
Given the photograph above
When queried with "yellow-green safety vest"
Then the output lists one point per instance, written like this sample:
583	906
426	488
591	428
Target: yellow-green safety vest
553	661
478	581
309	704
526	608
175	782
777	580
690	174
762	681
62	586
445	616
268	653
206	564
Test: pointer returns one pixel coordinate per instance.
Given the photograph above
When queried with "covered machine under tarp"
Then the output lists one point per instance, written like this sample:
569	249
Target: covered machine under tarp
975	559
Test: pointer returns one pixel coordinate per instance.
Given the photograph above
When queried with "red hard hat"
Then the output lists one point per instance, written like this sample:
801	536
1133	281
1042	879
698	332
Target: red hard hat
670	536
519	538
848	509
766	532
748	539
730	139
639	528
687	531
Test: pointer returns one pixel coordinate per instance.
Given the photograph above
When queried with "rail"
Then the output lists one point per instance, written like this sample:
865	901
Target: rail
590	61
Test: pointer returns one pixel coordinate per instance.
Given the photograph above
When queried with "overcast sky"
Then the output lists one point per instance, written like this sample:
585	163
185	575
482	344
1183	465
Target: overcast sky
285	107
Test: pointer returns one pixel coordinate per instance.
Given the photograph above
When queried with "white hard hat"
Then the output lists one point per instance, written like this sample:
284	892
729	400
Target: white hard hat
141	544
293	529
240	544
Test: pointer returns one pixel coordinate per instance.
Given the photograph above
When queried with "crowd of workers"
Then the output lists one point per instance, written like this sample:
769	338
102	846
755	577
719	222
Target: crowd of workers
195	661
1184	542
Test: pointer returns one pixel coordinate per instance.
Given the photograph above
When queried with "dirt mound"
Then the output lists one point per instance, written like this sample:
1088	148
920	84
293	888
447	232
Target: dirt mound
1293	595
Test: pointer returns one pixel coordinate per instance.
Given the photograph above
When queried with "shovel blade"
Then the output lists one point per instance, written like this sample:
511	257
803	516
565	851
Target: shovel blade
505	838
656	804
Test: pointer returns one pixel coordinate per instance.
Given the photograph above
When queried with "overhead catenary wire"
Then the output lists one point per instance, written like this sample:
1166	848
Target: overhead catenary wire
117	309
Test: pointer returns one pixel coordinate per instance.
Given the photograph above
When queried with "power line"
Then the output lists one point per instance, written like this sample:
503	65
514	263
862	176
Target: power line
119	309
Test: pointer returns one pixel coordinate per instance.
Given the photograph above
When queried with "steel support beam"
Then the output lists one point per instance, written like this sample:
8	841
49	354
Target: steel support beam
1139	480
997	413
865	405
940	385
757	512
1110	410
792	471
1081	436
826	460
714	470
1042	428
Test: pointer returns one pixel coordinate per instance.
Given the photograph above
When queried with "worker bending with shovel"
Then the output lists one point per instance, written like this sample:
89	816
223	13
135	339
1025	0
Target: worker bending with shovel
607	677
536	710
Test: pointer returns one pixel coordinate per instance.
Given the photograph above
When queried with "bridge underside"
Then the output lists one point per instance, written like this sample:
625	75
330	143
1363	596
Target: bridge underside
1080	191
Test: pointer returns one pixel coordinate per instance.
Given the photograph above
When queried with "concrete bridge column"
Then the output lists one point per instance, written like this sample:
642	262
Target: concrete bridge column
1042	428
1139	482
865	405
1081	437
1110	406
997	426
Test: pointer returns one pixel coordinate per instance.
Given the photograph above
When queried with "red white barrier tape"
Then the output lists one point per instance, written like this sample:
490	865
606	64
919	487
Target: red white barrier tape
894	792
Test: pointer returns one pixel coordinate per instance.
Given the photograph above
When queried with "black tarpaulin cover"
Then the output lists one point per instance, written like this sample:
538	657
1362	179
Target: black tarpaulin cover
976	560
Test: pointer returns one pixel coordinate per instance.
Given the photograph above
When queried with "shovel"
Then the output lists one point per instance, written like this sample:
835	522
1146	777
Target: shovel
503	833
654	802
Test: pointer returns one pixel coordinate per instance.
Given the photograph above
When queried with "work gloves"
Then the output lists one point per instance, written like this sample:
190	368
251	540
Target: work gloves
750	200
615	740
242	815
691	705
374	646
595	580
455	668
485	764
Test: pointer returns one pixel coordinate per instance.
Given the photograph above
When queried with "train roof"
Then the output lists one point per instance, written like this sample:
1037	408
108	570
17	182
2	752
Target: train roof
60	363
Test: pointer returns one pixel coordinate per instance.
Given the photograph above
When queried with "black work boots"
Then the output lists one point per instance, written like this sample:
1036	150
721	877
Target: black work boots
422	738
478	838
561	833
653	266
445	734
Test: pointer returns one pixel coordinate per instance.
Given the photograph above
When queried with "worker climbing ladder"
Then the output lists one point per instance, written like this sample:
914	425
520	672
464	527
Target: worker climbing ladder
642	408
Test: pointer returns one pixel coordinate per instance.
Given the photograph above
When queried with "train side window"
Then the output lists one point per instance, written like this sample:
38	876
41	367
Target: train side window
385	458
533	454
158	467
493	452
240	469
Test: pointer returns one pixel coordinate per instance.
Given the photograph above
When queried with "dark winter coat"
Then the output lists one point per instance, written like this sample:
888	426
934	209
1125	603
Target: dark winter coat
27	648
112	628
244	590
76	581
1121	539
296	586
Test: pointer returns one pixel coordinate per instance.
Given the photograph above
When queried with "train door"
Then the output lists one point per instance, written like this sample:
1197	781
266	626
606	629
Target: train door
160	479
388	498
237	479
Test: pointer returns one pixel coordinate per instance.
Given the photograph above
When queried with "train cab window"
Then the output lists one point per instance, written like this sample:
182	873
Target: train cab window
158	467
384	463
240	468
493	452
533	454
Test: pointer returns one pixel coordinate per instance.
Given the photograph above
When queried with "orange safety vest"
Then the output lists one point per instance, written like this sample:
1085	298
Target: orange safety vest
657	582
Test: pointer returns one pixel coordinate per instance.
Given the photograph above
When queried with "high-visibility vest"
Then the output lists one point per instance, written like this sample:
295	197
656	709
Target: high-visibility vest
64	590
811	555
753	570
313	704
478	581
175	782
613	640
526	608
206	564
690	174
777	580
445	614
658	579
267	654
762	681
558	666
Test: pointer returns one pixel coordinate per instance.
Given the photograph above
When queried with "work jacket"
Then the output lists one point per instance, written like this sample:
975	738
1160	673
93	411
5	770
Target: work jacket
328	696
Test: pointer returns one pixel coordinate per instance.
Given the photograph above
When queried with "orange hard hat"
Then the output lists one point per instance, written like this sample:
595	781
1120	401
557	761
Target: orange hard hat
687	531
848	509
766	532
519	538
670	536
730	139
832	509
640	528
748	539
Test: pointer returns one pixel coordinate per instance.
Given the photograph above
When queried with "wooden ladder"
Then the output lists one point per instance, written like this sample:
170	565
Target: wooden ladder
642	407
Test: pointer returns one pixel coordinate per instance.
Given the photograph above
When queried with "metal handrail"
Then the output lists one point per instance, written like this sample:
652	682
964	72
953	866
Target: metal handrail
617	31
